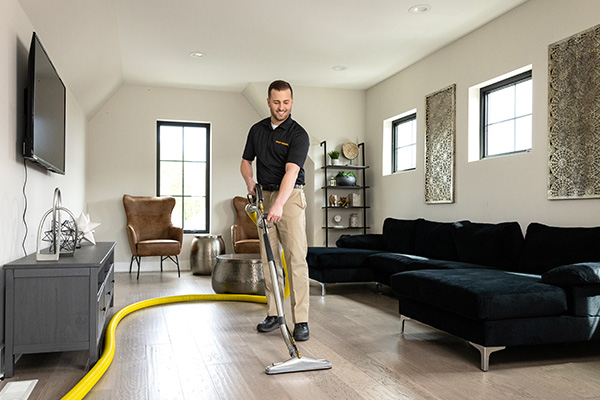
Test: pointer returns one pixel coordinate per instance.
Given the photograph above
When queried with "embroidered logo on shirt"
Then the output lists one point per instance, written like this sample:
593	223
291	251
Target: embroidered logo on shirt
285	144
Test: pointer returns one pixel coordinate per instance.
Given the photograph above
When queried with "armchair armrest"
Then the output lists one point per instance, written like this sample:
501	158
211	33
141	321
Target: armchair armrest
175	233
237	233
133	239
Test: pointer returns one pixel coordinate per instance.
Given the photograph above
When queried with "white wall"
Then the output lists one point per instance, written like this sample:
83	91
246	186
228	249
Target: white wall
15	36
122	148
122	154
511	188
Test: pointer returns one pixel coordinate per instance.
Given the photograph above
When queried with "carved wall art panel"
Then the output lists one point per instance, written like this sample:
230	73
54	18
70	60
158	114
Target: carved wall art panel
440	122
574	116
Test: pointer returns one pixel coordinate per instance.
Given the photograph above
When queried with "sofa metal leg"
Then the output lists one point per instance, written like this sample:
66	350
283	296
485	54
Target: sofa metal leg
322	288
378	287
485	354
403	319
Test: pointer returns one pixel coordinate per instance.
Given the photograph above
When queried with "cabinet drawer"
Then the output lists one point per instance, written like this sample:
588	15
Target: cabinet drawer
101	308
104	300
110	287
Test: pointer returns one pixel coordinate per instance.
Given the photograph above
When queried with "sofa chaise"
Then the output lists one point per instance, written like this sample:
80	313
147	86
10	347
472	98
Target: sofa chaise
485	283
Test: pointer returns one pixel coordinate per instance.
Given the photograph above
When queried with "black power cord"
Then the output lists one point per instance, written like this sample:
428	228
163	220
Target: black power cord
25	207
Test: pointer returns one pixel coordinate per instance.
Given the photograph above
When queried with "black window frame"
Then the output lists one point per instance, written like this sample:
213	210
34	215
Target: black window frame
395	124
483	108
181	197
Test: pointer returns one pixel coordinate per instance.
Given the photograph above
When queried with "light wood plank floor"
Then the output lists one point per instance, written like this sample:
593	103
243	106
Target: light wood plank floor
212	351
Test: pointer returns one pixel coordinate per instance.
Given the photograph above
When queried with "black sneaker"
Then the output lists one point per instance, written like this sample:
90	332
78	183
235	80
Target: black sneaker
268	325
301	332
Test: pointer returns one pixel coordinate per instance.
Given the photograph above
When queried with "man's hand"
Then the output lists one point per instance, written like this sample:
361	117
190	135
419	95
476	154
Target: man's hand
252	190
275	213
285	189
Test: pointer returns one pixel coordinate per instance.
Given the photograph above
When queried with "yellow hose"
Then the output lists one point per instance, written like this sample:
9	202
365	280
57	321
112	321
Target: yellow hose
91	378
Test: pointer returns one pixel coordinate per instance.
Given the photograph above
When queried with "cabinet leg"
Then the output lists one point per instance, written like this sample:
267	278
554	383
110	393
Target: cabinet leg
9	365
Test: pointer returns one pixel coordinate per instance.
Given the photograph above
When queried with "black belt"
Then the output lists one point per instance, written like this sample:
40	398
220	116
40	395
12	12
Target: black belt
274	188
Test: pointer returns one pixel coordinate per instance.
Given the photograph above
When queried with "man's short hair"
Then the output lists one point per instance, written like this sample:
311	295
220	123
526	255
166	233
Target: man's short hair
280	86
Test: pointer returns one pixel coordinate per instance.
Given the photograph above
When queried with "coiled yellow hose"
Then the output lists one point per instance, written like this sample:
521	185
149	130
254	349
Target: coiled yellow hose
91	378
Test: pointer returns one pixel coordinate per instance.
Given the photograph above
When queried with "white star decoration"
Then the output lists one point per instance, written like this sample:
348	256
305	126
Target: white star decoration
86	228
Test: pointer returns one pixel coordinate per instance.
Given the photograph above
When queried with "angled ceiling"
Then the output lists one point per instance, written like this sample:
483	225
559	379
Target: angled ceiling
98	45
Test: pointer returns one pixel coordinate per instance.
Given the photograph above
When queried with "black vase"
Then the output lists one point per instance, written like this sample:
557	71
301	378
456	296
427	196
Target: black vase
345	180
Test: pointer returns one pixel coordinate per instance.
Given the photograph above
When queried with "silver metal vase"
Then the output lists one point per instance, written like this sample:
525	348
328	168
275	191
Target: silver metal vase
204	252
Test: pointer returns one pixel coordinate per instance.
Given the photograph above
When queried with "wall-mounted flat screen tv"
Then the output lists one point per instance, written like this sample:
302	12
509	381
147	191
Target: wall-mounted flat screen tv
45	133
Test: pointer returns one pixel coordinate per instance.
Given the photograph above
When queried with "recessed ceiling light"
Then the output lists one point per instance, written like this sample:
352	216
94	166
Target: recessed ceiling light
419	9
339	68
197	54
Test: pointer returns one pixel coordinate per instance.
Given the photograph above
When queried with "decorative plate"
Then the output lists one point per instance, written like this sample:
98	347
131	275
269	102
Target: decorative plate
350	150
337	218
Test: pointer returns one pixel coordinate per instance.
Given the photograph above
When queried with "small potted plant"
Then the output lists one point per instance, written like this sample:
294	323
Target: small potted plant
335	157
344	178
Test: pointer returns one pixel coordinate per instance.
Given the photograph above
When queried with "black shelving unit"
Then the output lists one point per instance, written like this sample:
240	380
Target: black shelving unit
359	171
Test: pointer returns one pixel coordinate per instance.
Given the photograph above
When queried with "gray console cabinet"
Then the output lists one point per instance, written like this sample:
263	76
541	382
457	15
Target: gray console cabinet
58	305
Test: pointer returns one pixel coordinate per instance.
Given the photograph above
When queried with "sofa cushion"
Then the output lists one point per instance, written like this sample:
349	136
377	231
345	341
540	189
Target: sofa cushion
482	294
434	240
399	235
392	263
581	274
336	258
370	241
496	245
547	247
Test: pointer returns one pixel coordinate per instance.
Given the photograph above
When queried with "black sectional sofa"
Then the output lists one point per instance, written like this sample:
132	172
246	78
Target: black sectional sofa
485	283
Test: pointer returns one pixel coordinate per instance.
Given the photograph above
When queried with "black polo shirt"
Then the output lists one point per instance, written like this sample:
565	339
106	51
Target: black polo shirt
273	148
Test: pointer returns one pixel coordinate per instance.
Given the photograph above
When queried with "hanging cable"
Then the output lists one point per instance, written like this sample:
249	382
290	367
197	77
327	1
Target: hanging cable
25	207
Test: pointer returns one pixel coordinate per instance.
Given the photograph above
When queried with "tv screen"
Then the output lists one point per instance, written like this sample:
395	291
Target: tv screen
46	111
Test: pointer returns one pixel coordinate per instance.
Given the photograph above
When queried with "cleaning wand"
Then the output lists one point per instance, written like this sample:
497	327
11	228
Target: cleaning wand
297	362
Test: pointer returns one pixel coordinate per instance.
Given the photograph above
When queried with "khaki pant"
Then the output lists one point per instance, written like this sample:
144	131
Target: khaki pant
290	233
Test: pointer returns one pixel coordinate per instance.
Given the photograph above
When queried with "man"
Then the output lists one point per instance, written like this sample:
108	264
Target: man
280	146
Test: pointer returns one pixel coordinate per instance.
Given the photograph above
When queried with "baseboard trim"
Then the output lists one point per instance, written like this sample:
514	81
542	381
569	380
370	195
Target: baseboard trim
150	265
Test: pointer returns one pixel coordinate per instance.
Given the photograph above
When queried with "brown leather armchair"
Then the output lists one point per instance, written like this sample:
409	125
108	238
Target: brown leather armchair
150	230
244	233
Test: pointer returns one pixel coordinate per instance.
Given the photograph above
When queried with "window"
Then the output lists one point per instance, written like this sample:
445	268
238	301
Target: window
506	115
404	143
183	172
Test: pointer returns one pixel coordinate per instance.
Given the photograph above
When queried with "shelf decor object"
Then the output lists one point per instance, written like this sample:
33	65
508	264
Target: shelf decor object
574	117
350	151
344	178
354	220
440	127
62	236
334	155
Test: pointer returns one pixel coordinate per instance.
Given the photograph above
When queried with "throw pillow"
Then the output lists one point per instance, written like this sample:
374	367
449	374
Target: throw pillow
580	274
370	241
